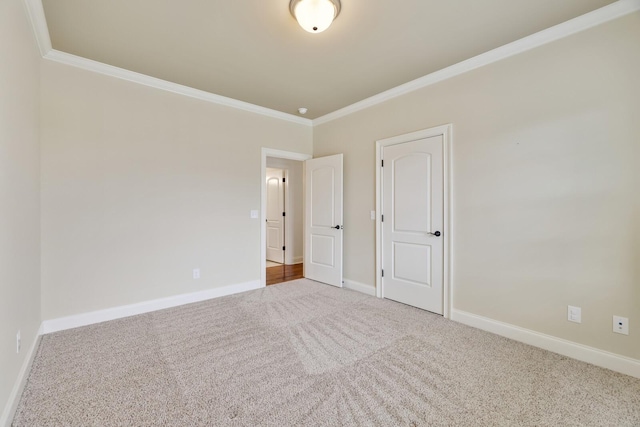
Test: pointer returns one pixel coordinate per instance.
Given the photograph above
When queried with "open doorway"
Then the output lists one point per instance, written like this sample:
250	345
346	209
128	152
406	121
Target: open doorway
276	218
283	214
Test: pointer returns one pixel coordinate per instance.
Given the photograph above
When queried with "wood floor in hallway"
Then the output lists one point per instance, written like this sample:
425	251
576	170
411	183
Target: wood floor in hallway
283	273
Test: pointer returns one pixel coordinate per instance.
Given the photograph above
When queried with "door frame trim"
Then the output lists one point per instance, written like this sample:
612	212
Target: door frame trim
446	131
270	152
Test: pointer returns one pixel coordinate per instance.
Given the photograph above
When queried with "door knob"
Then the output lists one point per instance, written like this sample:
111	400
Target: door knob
337	227
437	233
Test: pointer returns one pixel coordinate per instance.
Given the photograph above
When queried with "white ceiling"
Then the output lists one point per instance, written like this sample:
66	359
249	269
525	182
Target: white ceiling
254	51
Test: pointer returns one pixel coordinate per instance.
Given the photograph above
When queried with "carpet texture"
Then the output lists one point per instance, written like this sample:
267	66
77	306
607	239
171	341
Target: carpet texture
307	354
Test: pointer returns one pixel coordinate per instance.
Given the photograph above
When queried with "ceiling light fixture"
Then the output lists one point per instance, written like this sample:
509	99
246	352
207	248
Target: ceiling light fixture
315	16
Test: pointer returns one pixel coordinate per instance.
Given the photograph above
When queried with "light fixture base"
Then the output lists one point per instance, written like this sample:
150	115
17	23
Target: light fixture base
294	3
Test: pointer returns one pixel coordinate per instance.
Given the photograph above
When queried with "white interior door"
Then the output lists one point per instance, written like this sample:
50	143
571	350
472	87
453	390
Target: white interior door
275	215
323	220
413	219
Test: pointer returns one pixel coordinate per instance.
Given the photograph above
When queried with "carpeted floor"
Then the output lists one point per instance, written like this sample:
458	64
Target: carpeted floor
307	354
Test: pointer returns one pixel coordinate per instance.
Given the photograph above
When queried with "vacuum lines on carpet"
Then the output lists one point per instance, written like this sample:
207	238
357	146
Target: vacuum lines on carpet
306	354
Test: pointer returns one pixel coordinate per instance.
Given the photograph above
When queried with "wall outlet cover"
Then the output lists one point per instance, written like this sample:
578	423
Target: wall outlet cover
621	325
196	273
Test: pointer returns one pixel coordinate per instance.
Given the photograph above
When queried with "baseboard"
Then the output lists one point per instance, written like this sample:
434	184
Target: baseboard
63	323
604	359
85	319
360	287
14	398
297	260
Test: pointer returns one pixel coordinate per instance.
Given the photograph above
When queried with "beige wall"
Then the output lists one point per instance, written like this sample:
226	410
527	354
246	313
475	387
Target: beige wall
19	192
295	214
546	183
141	186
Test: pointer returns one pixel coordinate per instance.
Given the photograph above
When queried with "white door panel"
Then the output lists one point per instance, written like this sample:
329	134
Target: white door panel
409	265
323	241
322	196
411	202
413	209
275	218
322	252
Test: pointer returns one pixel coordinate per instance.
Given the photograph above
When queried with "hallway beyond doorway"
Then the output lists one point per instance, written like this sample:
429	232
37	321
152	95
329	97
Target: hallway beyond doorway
283	273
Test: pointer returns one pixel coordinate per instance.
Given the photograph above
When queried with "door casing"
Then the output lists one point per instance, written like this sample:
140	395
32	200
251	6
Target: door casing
446	131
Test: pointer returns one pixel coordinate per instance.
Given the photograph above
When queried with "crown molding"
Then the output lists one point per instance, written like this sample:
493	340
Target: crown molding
599	16
143	79
38	20
35	11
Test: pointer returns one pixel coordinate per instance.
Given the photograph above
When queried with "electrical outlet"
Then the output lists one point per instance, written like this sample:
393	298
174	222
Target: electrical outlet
574	314
373	215
621	325
18	342
196	273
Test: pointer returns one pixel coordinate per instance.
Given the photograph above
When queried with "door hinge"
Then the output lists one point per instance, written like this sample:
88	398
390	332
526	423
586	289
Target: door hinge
382	218
284	179
284	214
283	248
382	273
382	165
